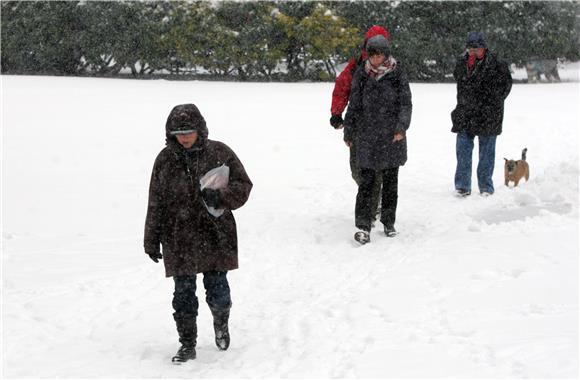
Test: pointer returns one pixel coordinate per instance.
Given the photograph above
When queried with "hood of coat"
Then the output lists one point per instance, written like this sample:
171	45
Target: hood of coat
185	117
373	31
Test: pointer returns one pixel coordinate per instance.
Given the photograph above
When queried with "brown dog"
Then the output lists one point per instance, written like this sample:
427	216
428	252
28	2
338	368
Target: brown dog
515	170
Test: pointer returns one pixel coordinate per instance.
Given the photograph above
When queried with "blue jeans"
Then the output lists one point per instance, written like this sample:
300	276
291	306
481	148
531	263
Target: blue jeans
464	149
217	292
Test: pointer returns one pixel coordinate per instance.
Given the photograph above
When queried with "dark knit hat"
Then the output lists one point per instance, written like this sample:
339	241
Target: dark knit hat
184	119
378	45
475	40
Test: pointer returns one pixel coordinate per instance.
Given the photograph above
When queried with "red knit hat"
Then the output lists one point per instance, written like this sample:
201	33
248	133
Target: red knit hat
375	30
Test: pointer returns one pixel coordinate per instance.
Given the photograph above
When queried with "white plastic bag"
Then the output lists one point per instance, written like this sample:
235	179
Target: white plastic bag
216	178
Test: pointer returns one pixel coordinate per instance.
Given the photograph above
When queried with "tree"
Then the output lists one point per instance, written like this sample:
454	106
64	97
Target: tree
314	40
253	35
327	39
40	37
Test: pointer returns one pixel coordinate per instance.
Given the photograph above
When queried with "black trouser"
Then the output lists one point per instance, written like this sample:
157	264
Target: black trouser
217	293
364	206
356	175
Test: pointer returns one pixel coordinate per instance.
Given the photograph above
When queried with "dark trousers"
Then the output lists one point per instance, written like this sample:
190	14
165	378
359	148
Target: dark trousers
217	294
364	207
356	175
485	166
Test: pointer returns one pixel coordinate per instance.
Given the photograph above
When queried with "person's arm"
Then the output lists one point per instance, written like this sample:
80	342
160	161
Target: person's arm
341	93
153	221
354	108
504	80
405	106
237	192
459	68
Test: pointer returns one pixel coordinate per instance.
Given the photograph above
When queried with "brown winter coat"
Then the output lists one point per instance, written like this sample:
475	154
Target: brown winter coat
193	240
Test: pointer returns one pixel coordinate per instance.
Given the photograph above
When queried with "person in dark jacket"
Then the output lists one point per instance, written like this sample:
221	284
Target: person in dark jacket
193	240
377	119
483	84
340	96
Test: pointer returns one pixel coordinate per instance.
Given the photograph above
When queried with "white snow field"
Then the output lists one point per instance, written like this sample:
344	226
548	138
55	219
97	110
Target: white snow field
471	288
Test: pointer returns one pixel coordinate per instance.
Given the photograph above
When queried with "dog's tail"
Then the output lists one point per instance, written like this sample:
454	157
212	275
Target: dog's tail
524	153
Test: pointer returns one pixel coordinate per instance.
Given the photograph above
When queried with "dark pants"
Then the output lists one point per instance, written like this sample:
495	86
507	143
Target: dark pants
364	207
356	175
464	152
217	294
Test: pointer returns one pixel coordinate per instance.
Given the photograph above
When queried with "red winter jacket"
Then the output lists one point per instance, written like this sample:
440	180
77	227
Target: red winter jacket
343	82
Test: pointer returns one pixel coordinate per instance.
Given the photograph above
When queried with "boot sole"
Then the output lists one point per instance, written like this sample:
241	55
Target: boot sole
180	361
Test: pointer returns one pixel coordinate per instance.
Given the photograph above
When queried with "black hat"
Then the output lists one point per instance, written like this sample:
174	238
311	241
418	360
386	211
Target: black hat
378	45
475	40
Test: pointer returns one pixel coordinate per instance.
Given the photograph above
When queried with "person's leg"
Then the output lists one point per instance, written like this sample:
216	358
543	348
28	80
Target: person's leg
217	291
363	209
376	197
185	305
376	193
354	170
486	163
390	196
463	150
218	297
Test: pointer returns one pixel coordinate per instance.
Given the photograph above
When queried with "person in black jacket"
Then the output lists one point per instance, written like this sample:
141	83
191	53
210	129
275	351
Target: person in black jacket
340	96
483	84
181	231
377	119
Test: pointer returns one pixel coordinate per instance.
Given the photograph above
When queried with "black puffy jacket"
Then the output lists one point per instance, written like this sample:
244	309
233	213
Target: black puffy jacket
376	111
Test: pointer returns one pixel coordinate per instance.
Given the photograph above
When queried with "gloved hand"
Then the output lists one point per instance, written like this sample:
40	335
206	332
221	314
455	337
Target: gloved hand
211	197
336	121
155	256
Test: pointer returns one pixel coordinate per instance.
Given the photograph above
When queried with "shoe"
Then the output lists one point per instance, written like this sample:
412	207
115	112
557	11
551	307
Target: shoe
187	330
462	193
486	194
362	237
390	231
185	353
222	334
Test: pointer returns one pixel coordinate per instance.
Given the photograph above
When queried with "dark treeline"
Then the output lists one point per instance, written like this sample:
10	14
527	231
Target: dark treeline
273	40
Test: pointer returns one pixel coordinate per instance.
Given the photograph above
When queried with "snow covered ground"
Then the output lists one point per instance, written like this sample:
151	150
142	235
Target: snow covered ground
476	287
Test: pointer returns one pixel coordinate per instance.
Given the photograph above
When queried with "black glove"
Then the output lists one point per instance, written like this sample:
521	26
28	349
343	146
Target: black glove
336	121
155	256
211	197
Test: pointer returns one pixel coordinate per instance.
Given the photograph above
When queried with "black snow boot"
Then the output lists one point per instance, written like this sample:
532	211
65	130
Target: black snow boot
362	237
187	330
185	353
220	327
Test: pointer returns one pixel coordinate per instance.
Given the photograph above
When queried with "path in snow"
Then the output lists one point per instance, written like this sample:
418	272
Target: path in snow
476	287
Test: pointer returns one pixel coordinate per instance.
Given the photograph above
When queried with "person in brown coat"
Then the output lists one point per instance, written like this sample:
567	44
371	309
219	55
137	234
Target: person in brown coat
178	220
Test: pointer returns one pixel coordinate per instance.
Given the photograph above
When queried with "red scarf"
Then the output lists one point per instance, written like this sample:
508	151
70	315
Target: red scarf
471	62
472	59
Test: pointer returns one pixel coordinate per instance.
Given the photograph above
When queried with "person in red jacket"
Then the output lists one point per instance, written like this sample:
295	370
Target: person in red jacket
340	96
